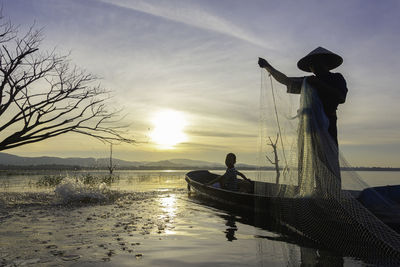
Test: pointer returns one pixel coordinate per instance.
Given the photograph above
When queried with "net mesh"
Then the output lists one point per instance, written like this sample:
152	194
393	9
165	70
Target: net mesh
310	193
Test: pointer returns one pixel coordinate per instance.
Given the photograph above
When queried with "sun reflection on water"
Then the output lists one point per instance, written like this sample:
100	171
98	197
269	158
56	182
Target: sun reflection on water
169	208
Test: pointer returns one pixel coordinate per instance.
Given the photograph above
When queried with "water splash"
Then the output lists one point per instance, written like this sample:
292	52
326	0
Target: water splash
72	190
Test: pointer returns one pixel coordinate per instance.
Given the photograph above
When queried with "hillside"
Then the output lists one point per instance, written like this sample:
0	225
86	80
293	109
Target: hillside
13	160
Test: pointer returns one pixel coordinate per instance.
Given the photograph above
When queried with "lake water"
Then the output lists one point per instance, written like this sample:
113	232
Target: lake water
144	218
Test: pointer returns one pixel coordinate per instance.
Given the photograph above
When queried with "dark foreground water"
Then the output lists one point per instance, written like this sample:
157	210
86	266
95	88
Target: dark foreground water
140	219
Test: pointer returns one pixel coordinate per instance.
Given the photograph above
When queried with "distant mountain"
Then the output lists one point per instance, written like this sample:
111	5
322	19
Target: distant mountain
245	166
13	160
16	162
8	159
164	163
195	163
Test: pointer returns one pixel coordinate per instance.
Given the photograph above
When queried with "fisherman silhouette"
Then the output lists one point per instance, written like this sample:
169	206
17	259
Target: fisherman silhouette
331	87
322	92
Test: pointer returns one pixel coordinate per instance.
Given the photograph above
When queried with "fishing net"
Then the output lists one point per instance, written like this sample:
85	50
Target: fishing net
308	191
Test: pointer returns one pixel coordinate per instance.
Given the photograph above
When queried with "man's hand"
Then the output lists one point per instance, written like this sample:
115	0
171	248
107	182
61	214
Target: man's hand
279	76
263	63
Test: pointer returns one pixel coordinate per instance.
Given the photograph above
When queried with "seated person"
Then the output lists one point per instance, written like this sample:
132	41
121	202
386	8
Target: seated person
229	179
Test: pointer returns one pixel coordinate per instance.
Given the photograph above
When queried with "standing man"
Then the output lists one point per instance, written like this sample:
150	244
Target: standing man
331	87
318	152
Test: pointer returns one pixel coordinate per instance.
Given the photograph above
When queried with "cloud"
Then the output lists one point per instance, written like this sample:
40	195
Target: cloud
193	145
219	134
182	12
199	57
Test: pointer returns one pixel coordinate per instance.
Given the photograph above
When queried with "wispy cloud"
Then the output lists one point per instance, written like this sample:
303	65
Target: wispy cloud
200	146
219	134
199	57
184	12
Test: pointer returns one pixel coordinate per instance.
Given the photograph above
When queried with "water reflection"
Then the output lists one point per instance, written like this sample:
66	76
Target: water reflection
168	205
298	250
317	257
126	180
232	228
169	208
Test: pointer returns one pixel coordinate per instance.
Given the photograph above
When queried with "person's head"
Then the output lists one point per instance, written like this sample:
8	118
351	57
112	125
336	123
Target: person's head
230	160
318	67
319	61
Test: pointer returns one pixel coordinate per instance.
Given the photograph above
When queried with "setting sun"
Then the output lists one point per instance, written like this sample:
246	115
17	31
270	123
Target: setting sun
168	129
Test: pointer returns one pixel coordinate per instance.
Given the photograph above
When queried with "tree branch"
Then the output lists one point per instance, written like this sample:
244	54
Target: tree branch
43	96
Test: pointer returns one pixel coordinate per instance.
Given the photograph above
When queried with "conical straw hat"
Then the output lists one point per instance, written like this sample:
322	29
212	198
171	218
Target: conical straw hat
321	55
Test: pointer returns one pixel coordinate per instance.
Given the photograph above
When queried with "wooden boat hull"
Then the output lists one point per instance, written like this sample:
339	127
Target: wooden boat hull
321	220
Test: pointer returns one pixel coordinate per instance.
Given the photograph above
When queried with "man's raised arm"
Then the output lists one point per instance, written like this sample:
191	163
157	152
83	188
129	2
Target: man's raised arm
279	76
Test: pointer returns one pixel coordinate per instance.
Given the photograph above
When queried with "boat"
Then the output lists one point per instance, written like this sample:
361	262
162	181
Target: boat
321	220
373	198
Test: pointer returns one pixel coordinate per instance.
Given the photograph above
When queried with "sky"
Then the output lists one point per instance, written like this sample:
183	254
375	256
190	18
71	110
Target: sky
188	70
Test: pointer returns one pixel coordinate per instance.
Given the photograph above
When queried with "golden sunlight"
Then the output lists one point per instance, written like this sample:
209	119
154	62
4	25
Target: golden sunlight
168	129
168	206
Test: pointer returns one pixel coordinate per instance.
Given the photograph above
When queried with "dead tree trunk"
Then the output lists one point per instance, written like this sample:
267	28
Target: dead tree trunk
276	159
111	166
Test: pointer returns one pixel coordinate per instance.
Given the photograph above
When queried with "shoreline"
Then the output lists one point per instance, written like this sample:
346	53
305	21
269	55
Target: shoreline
51	167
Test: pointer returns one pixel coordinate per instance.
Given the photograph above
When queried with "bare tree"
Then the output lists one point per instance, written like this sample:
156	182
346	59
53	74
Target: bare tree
111	166
274	162
42	95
